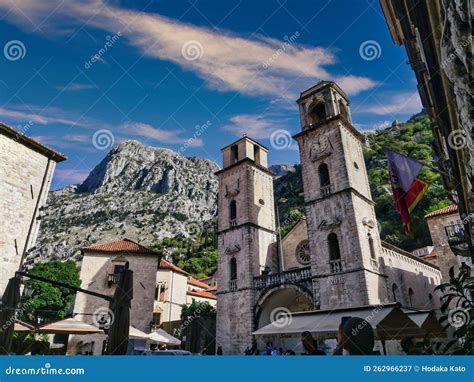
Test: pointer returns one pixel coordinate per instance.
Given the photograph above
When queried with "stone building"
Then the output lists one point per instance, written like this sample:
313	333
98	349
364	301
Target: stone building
442	255
437	36
333	258
26	170
159	290
100	270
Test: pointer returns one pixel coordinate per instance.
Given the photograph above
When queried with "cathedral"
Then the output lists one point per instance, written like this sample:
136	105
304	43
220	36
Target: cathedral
333	257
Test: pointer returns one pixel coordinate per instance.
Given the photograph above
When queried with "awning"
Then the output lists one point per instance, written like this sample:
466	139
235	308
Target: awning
388	322
21	326
69	326
426	320
136	334
163	338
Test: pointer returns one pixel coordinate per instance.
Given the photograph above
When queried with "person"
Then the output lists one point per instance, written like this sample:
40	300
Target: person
310	345
219	351
340	342
358	337
408	345
290	352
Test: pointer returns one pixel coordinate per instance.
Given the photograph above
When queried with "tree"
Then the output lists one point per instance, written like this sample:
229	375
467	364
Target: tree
48	302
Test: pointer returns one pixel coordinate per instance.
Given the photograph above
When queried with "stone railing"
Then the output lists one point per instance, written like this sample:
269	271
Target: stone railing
113	279
286	277
326	191
233	285
233	222
335	266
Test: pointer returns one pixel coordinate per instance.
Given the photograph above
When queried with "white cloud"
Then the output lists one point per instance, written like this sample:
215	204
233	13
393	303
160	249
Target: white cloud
393	104
35	114
74	86
165	136
255	126
257	66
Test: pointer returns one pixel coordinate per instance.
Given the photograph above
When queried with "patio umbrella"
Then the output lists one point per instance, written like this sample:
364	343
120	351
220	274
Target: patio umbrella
69	326
136	334
23	327
120	312
10	300
163	338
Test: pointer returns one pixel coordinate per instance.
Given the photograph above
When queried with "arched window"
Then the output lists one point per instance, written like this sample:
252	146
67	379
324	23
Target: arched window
233	210
233	268
333	243
324	179
411	297
343	109
371	246
317	114
234	154
395	292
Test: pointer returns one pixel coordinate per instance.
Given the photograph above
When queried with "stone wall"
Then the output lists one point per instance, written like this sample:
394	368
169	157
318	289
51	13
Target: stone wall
94	277
22	171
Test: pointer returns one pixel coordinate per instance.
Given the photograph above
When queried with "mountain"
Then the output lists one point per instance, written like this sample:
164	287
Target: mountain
282	169
139	192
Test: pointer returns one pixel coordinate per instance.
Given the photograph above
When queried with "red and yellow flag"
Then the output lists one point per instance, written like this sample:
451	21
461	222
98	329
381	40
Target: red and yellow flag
407	188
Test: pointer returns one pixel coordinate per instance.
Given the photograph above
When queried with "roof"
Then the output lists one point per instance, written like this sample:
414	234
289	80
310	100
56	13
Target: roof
453	208
208	277
245	137
199	284
120	246
31	143
408	254
320	86
69	326
201	293
171	267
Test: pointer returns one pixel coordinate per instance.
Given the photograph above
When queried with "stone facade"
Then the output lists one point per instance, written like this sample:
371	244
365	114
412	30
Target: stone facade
333	258
95	271
26	170
442	255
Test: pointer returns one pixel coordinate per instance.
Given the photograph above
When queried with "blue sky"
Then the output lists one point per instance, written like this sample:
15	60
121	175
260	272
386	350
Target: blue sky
80	76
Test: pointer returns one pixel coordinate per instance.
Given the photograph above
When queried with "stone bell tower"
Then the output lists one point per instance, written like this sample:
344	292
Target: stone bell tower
246	237
343	236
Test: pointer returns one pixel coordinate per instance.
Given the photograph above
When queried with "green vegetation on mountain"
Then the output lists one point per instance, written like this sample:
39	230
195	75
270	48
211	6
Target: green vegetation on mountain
196	254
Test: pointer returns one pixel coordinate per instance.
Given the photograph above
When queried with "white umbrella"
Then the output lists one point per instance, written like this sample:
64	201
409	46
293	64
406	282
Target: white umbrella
69	326
163	338
136	334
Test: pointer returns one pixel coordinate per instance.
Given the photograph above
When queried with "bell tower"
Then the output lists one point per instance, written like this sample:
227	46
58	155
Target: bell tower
343	236
246	237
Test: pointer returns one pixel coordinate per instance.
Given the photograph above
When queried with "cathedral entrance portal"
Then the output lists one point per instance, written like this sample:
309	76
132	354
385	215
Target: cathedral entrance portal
276	303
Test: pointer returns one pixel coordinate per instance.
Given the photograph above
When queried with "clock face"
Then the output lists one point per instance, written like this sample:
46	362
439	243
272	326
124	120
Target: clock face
320	145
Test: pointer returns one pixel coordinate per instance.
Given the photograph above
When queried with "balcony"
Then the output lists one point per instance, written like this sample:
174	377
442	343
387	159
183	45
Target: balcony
335	266
457	239
326	191
233	222
113	279
292	276
233	285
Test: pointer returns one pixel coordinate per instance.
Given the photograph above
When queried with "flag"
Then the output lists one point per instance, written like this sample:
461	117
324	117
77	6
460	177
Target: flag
407	188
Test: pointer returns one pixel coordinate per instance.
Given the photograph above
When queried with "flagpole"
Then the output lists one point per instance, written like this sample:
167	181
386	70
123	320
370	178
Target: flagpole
420	162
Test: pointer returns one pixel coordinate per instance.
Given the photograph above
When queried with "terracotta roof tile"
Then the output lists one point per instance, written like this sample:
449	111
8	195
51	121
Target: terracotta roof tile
200	284
120	246
170	266
443	211
201	293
